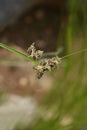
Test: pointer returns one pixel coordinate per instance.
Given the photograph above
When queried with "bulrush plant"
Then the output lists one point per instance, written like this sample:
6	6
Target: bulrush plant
40	64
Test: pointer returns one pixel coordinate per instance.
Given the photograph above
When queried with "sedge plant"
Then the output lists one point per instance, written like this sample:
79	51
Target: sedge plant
36	57
65	107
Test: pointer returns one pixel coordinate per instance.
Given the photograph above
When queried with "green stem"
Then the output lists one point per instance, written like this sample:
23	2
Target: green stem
18	53
49	54
74	53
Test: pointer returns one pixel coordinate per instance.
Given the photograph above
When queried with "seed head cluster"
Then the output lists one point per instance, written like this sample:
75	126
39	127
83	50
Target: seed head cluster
47	64
33	53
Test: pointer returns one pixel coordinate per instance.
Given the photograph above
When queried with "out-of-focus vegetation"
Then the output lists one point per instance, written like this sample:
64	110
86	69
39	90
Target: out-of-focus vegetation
65	105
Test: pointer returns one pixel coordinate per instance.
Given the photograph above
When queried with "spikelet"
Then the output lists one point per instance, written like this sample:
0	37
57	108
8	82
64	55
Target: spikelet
33	53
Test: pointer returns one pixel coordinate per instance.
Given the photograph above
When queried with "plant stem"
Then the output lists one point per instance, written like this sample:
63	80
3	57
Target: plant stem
18	53
74	53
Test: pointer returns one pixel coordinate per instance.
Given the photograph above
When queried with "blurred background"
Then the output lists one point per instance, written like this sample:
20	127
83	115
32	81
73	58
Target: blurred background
59	99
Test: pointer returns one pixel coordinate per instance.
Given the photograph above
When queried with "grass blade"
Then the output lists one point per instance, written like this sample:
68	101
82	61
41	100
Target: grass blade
17	52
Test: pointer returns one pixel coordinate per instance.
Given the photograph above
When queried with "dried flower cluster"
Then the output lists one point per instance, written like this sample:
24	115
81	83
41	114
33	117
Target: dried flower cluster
45	64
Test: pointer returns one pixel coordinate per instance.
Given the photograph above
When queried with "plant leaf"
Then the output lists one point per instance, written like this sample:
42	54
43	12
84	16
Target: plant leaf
17	52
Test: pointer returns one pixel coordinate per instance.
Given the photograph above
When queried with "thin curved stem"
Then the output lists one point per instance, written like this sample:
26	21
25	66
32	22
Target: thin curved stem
74	53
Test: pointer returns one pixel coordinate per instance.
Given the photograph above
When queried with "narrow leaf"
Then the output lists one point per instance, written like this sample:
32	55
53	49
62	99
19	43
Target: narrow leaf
17	52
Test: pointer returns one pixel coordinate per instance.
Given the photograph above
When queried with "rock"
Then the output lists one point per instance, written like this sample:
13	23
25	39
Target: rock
10	10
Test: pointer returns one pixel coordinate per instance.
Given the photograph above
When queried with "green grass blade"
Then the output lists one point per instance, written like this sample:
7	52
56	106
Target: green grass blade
74	53
17	52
